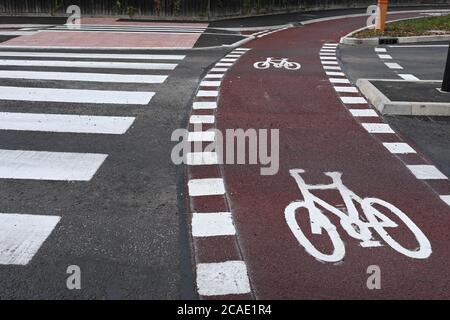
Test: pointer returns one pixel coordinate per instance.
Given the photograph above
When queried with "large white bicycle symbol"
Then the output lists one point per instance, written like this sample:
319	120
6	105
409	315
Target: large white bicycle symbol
278	64
350	221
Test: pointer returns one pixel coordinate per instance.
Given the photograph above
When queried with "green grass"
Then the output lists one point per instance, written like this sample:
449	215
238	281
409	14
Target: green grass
412	27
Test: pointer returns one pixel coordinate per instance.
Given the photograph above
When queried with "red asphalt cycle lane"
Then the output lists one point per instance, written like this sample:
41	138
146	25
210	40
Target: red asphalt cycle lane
318	135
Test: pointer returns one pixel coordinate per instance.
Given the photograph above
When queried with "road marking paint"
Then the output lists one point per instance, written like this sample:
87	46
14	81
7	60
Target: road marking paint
421	46
242	49
21	236
64	123
363	113
81	76
204	105
426	172
201	158
332	73
91	55
233	56
75	95
223	278
346	89
333	44
327	54
353	100
206	187
218	69
207	136
377	127
380	50
43	165
214	76
327	58
329	62
395	66
212	224
89	64
220	64
332	67
399	147
207	93
328	50
408	77
384	56
446	199
228	60
201	119
339	80
210	83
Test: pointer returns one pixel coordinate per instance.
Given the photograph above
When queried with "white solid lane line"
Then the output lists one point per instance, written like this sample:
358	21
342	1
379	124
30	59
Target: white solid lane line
91	55
64	123
88	64
43	165
81	76
21	236
75	95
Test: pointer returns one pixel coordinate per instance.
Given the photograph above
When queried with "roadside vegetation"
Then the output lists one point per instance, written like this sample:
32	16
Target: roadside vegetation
413	27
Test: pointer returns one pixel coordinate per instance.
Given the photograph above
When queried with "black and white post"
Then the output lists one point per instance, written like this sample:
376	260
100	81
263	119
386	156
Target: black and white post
446	80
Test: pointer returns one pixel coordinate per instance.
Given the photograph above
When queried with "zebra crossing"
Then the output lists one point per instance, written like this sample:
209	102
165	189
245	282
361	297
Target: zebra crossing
121	28
64	80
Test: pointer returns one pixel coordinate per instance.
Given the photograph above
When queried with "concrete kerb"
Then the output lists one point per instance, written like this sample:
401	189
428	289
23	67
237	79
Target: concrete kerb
410	108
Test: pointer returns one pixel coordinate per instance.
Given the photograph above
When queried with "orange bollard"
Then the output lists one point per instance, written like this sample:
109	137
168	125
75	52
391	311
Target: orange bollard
381	21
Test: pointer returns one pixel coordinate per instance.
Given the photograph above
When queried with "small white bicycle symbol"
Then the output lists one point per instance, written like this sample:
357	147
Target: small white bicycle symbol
277	63
357	226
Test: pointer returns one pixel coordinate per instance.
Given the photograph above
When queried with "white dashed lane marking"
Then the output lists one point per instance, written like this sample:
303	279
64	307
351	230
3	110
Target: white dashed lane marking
206	187
212	224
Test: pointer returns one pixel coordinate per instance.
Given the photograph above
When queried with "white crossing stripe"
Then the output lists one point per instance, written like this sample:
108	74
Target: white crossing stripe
201	158
207	136
223	278
332	67
43	165
214	76
385	56
81	76
327	58
204	105
377	127
346	89
426	172
89	64
327	54
219	69
329	62
91	55
201	119
64	123
233	56
206	187
394	66
363	113
380	50
212	224
446	199
399	147
21	236
327	50
221	64
333	73
210	83
339	80
207	93
228	60
331	44
408	77
242	49
75	95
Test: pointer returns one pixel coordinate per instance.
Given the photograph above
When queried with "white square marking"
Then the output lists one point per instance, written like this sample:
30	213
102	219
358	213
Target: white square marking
353	100
363	113
21	236
223	278
426	172
398	147
206	187
384	56
377	127
394	66
212	224
380	50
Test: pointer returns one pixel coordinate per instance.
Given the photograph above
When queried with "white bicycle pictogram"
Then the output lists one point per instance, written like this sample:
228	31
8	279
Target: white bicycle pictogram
277	64
350	220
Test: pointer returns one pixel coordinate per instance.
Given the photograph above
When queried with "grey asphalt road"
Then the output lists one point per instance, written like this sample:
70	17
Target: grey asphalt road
124	228
425	61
